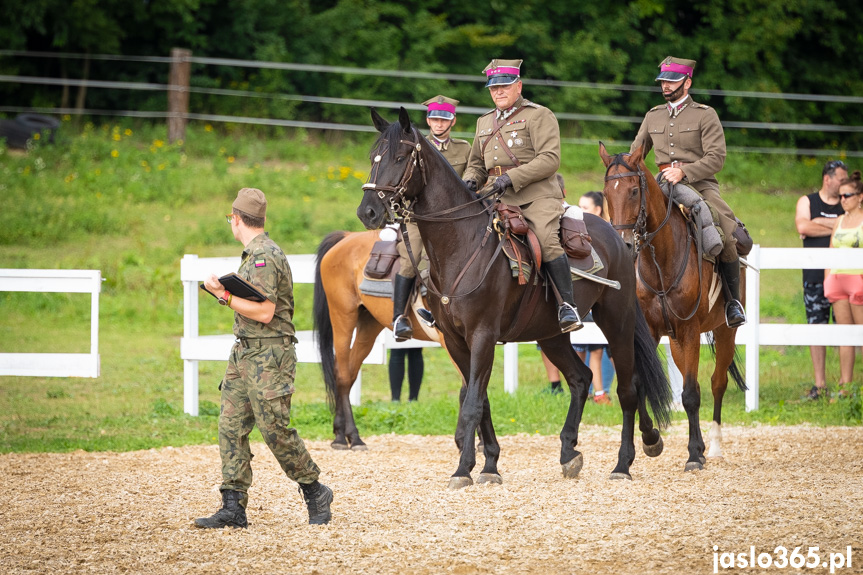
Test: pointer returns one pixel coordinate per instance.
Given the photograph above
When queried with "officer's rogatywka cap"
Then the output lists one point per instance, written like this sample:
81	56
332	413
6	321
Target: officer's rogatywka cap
252	202
502	72
675	69
441	107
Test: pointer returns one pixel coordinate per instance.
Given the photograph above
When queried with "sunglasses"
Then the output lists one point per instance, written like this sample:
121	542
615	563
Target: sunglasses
230	218
846	196
831	167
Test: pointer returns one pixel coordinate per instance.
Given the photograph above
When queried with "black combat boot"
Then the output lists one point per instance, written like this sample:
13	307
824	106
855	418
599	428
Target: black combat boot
232	513
318	498
567	314
402	288
735	316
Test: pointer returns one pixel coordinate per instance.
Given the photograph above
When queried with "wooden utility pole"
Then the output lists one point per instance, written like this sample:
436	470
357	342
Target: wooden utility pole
178	93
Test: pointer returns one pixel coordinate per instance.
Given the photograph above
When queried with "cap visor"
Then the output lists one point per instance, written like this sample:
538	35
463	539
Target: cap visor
443	114
501	80
670	76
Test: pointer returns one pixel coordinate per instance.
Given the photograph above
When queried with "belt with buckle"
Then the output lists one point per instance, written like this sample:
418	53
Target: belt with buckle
674	164
499	170
248	342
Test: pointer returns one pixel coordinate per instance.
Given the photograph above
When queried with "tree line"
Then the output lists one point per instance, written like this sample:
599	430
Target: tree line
792	46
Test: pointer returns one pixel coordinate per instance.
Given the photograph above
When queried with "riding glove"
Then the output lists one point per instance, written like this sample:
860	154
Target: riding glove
471	185
501	184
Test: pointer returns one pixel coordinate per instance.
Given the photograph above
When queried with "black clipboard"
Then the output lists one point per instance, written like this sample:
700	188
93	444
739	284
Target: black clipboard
238	287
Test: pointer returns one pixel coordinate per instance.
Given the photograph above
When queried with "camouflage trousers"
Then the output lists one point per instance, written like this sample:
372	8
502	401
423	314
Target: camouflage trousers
257	389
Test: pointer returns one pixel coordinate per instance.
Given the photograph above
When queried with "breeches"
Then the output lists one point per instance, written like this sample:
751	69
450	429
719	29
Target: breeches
257	389
726	221
543	217
407	269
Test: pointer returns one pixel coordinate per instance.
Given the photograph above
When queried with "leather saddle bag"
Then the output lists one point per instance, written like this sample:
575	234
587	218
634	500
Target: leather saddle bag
744	240
384	254
512	218
574	237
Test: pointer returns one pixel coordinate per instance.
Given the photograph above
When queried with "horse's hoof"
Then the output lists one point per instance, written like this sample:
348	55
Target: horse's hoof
572	467
619	475
702	459
693	466
489	478
460	482
340	446
716	458
653	450
359	447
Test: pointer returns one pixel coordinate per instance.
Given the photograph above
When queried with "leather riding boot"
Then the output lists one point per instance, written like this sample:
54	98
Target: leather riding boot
567	314
735	316
318	498
402	288
232	513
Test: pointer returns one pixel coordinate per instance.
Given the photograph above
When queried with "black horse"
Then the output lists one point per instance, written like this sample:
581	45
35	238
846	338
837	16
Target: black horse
477	303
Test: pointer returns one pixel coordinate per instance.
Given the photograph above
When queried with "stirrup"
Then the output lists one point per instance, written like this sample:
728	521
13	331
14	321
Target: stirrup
734	306
402	329
567	324
426	316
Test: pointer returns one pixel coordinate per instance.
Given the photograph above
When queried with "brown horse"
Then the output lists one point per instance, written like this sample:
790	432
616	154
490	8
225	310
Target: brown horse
477	303
340	309
677	289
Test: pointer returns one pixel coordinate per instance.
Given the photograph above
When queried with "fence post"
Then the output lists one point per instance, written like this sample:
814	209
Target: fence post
178	93
753	317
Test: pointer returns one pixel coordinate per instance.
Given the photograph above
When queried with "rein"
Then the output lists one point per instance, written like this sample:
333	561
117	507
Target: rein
645	238
399	208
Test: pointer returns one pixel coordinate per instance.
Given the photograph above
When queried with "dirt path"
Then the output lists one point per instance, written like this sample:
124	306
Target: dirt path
132	512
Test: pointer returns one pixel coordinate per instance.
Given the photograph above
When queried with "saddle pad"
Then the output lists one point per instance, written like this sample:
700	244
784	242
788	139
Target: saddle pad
590	265
377	288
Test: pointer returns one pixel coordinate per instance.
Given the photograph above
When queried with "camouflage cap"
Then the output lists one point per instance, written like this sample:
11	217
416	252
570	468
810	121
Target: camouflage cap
252	202
441	107
675	69
502	72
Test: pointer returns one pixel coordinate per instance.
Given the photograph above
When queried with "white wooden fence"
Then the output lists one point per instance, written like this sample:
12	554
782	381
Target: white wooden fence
195	348
55	364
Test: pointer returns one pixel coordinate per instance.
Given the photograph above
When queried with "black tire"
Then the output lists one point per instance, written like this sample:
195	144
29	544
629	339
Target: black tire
39	124
15	134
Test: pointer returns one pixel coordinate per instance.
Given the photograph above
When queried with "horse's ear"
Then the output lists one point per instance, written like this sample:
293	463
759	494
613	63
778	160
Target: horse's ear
379	122
636	156
606	159
404	120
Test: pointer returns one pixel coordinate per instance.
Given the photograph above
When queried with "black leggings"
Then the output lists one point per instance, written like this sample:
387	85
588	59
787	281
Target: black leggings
416	367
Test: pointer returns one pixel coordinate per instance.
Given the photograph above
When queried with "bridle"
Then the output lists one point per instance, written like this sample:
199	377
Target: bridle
399	209
643	237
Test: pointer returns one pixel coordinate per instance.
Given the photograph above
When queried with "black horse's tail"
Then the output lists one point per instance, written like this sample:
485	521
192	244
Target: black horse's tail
652	378
734	368
322	325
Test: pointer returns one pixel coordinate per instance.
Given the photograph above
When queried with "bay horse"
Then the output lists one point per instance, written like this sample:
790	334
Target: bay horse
477	303
671	276
340	310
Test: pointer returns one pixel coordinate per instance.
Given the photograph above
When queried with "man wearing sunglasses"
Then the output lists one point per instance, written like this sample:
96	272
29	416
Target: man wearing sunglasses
815	216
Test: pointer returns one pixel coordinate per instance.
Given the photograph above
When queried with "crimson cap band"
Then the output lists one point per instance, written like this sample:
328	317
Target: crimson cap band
252	202
502	72
441	107
675	69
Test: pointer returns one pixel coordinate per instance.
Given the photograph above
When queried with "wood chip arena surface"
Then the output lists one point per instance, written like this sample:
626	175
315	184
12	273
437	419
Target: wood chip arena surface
132	512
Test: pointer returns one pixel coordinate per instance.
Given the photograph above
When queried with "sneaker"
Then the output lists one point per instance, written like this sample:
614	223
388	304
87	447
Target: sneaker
602	399
816	392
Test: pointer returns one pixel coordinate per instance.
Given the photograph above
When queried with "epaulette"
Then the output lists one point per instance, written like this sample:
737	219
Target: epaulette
489	112
457	141
526	102
702	106
659	107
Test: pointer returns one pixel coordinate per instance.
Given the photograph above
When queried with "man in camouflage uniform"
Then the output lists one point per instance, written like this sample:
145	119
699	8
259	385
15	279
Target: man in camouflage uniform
689	146
517	150
259	380
440	118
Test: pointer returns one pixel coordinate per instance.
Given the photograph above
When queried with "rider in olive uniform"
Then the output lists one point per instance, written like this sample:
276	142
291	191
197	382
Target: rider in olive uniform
517	150
259	380
440	118
689	145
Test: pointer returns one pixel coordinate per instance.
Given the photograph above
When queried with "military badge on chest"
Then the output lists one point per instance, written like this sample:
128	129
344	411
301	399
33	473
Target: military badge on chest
514	140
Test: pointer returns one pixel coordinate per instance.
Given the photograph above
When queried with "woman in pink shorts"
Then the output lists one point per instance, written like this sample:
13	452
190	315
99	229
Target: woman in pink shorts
844	287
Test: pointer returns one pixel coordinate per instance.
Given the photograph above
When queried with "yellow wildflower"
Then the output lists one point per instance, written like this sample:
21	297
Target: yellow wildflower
114	153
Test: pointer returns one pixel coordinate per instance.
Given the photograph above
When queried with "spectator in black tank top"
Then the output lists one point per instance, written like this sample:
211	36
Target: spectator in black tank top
816	214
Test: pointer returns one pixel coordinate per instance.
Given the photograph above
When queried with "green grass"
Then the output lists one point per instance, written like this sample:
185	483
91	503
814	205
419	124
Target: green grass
119	199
